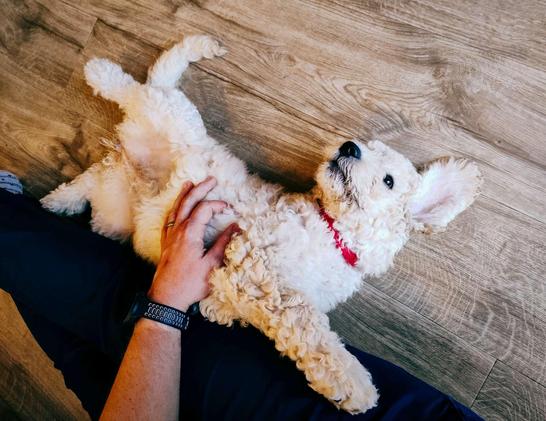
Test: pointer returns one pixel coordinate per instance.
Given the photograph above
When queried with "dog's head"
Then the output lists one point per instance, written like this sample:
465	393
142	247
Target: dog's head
377	197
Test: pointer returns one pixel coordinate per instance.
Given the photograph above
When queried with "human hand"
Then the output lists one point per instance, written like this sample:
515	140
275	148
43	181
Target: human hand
181	278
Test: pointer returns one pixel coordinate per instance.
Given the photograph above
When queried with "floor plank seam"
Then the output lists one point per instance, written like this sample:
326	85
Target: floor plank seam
380	334
519	212
131	35
485	52
484	381
50	31
230	21
477	135
75	69
523	374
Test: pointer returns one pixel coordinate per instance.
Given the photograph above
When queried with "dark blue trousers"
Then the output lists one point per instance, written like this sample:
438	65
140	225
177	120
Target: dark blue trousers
73	288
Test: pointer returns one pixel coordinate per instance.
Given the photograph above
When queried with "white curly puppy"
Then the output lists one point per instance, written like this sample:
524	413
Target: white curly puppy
299	255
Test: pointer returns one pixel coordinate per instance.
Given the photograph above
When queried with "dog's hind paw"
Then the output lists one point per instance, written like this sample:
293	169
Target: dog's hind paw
199	46
65	200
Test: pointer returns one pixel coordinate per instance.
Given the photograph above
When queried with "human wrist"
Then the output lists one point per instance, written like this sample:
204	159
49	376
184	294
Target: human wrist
168	298
148	325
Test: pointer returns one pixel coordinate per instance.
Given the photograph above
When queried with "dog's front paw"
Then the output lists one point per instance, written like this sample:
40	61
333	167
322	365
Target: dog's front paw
360	394
199	46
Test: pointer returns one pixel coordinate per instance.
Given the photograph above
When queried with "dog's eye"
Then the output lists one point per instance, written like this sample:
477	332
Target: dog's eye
389	182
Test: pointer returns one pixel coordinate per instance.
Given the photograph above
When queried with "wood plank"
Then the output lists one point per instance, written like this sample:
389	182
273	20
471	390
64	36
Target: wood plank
373	322
509	395
483	280
42	142
508	29
44	36
30	387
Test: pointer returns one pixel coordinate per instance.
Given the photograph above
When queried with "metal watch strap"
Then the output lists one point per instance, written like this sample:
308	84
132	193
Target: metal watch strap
143	307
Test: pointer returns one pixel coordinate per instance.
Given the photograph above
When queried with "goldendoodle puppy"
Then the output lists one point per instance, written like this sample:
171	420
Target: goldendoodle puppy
299	255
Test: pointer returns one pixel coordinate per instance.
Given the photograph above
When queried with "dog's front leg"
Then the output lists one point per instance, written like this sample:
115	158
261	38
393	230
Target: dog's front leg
303	334
244	289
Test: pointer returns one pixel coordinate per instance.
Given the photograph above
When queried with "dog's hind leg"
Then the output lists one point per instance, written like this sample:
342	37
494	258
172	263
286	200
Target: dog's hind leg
71	198
105	186
169	67
109	80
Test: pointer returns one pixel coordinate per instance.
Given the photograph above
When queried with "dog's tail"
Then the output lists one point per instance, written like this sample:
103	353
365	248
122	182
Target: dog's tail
109	80
172	63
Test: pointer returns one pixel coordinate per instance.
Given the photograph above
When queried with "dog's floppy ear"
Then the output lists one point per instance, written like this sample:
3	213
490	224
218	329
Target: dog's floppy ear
447	187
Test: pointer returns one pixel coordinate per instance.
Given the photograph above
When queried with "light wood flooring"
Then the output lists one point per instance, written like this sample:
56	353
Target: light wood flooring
464	310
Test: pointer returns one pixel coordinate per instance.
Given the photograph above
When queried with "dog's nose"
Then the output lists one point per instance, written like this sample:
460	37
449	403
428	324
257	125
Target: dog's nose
350	150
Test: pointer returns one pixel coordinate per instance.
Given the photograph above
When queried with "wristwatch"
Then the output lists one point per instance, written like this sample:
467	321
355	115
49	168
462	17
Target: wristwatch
144	307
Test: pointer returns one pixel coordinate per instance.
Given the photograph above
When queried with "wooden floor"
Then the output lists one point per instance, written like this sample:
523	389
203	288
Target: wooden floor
464	310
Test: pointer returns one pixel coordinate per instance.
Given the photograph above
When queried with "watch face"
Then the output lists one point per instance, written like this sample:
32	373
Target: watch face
137	309
193	310
141	303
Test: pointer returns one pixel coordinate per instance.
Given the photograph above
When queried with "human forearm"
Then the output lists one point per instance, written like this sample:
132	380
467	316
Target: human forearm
148	381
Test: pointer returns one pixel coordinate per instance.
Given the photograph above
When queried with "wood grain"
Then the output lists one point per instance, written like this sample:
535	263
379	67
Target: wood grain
420	346
29	384
429	77
482	280
44	36
509	395
45	140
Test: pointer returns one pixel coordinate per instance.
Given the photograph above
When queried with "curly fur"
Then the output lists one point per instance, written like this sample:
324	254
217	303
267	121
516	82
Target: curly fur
283	273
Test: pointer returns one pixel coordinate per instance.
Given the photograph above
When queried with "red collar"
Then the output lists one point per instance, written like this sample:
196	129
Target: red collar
350	256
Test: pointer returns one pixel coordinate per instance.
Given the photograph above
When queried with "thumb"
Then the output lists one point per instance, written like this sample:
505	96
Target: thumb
215	255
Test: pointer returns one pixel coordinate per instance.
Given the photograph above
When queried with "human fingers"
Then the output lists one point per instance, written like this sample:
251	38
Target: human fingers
171	215
215	255
194	196
201	215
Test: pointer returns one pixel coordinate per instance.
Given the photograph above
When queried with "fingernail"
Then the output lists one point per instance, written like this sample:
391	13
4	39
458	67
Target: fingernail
236	229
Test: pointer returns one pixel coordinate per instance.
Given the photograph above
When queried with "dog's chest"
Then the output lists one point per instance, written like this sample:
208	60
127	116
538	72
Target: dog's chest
300	249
